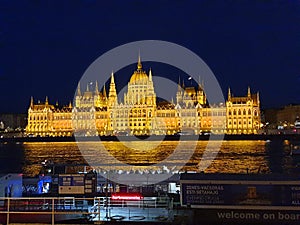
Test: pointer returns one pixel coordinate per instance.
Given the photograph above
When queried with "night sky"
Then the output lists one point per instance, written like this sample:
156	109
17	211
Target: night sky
45	46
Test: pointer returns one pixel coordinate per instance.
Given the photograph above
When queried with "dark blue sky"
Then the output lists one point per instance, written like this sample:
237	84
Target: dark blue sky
45	46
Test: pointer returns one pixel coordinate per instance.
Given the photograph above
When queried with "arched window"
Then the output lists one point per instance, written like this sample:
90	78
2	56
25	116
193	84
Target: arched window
240	112
234	112
244	112
255	113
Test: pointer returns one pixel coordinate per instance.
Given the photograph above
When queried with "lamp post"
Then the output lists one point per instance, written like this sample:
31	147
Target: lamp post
106	196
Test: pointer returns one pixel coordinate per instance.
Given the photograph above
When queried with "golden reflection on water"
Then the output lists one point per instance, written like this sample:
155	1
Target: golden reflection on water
233	157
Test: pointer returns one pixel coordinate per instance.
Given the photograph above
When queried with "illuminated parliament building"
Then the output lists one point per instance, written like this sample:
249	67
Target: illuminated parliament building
100	113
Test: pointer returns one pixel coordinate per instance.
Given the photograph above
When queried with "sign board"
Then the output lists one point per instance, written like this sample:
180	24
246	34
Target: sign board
253	199
71	184
240	194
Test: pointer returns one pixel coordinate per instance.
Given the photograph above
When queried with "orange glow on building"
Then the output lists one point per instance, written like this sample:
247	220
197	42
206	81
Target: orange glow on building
98	113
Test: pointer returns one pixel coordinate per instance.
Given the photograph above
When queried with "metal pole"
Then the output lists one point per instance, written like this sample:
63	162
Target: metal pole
106	197
8	206
52	215
98	208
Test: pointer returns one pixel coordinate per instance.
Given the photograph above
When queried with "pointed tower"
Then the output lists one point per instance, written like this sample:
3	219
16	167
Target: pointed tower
31	102
150	75
150	97
179	86
139	66
78	97
96	88
70	104
46	101
229	95
78	90
104	92
87	88
112	95
199	84
249	92
200	93
179	92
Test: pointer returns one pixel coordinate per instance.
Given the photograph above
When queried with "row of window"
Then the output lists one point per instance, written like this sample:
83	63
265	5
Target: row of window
239	112
234	123
213	113
139	119
131	124
165	114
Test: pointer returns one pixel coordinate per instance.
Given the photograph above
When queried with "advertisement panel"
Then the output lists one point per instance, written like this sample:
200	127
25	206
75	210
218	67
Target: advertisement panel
71	184
254	199
240	194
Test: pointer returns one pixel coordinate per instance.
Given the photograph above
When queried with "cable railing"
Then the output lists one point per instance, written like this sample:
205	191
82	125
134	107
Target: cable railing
52	210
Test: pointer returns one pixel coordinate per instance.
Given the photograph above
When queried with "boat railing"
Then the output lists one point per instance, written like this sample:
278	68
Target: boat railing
14	207
85	208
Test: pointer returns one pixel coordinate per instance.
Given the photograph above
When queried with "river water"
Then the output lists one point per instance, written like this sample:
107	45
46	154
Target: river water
232	156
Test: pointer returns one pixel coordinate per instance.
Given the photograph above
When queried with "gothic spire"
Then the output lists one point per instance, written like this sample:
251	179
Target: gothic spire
112	87
112	94
112	80
31	102
229	94
46	101
78	90
150	75
179	86
96	88
199	84
104	91
249	92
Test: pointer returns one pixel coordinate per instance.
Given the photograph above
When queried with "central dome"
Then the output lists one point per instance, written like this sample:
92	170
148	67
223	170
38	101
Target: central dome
139	76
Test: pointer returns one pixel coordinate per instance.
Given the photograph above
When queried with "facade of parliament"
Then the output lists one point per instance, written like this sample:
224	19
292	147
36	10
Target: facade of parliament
99	113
